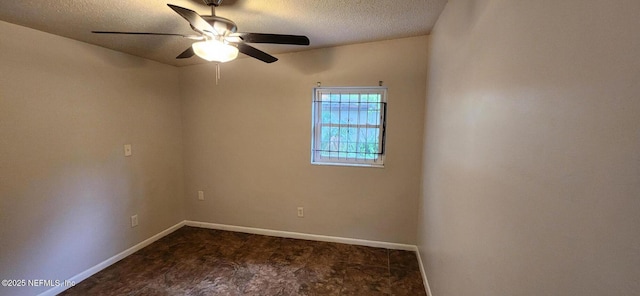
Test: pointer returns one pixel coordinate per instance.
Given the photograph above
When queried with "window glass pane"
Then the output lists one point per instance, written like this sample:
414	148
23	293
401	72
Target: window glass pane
350	110
325	112
351	134
353	112
373	98
362	114
372	140
329	137
324	145
350	139
372	134
329	112
373	116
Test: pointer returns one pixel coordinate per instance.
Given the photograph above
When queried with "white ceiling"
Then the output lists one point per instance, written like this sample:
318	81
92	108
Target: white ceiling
325	22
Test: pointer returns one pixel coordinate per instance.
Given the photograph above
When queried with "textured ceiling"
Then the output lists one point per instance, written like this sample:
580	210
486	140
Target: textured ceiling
325	22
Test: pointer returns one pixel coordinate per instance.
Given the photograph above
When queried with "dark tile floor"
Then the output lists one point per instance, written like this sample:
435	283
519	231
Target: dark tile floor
198	261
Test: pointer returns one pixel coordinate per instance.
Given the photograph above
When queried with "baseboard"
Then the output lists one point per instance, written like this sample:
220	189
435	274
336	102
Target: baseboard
106	263
424	274
316	237
299	235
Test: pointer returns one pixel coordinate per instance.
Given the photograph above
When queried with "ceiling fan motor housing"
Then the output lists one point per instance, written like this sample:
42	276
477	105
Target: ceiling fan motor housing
221	25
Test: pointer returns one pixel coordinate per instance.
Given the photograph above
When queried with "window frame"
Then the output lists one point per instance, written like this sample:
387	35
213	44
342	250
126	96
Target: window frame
316	125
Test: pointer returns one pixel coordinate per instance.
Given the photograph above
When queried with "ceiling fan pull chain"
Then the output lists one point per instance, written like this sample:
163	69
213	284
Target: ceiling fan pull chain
217	73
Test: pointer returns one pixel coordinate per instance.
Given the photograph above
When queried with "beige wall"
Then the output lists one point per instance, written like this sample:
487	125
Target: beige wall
247	143
66	191
532	151
66	109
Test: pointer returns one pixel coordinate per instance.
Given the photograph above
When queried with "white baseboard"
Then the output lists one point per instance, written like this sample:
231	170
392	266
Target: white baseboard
298	235
424	274
316	237
106	263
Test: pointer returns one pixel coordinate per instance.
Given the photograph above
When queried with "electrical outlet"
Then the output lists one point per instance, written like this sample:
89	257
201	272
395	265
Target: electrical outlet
300	212
127	150
134	220
201	195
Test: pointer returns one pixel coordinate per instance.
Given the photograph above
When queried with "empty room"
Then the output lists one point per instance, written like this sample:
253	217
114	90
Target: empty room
320	147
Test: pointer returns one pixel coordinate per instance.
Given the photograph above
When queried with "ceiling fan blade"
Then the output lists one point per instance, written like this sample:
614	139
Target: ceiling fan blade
196	21
186	54
272	38
256	53
194	37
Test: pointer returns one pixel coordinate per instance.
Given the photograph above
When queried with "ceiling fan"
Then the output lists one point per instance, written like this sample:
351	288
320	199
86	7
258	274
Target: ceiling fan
218	39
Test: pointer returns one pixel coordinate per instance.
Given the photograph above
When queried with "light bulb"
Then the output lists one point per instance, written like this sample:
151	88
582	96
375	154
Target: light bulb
213	50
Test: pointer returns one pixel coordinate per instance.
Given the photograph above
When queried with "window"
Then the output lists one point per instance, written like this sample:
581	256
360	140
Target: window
348	126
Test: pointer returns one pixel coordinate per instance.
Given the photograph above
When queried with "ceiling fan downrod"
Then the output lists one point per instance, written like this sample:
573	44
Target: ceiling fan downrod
213	4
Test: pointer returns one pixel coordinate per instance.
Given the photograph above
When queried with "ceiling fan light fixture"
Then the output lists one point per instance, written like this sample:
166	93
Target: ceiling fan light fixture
214	50
219	40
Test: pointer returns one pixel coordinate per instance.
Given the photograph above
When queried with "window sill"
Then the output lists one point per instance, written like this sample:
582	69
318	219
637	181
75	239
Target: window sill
364	165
